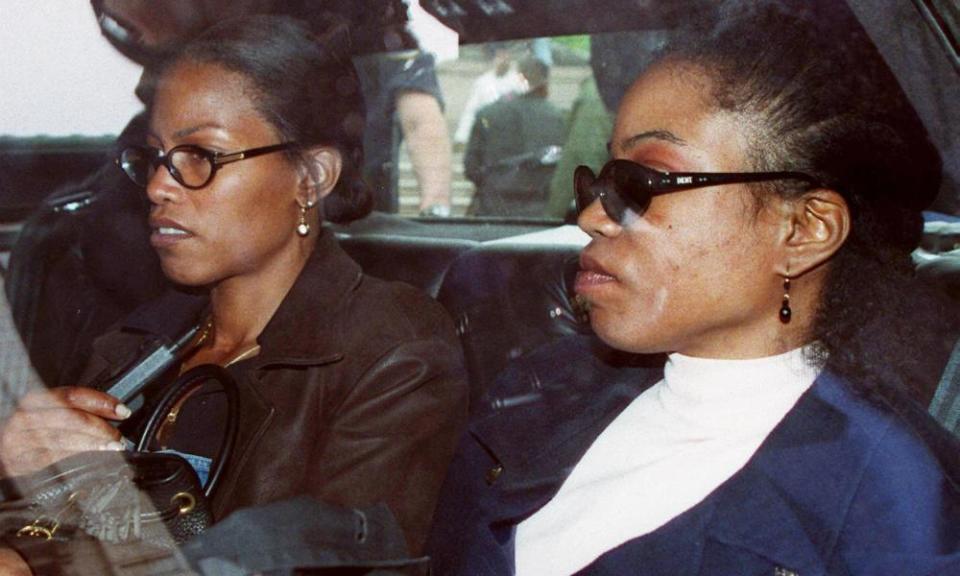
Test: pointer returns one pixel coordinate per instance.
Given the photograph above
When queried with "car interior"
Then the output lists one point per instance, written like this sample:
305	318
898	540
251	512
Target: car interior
507	282
506	278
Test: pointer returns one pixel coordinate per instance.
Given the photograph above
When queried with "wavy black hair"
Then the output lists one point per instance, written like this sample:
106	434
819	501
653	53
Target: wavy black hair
819	99
304	84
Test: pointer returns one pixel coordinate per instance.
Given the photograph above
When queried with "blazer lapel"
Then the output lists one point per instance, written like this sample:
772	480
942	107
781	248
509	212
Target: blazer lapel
753	519
566	409
765	519
766	510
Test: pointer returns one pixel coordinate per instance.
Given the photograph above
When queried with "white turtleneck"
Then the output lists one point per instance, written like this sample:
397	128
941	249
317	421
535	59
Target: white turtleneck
669	449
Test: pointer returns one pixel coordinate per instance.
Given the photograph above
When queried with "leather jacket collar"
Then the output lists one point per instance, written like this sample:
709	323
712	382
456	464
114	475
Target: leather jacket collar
289	338
327	279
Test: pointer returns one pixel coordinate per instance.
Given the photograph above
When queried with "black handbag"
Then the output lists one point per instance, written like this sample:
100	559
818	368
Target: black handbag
121	498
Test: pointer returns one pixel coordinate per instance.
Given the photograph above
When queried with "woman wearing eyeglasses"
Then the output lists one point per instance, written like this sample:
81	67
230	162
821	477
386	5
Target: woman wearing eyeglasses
351	389
750	248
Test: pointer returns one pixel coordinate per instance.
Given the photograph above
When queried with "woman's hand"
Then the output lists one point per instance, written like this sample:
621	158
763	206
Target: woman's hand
52	424
11	564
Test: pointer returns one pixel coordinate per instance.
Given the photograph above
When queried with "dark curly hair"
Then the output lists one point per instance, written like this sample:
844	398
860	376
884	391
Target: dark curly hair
821	100
304	84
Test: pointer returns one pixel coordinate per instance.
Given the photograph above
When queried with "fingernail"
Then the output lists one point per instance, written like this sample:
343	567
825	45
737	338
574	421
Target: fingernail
113	446
122	411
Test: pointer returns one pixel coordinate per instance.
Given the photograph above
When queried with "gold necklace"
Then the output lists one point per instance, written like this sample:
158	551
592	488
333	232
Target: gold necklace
248	353
166	428
205	334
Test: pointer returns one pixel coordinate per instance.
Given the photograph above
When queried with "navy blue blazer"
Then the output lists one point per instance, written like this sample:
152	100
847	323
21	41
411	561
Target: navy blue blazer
840	487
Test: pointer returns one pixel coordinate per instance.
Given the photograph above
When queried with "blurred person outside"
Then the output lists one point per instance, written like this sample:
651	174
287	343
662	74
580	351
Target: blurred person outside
590	127
542	49
404	102
512	150
500	80
615	60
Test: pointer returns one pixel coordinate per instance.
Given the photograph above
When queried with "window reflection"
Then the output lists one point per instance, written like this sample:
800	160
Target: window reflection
540	115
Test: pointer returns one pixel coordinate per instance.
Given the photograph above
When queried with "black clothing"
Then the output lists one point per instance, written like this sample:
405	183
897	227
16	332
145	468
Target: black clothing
301	535
508	155
356	398
73	274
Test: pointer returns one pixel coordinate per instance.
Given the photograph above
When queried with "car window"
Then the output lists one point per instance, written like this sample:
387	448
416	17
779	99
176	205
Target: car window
498	173
516	141
71	107
70	93
61	78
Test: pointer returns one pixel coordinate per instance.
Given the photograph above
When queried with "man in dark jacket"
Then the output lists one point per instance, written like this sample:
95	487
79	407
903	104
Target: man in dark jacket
513	149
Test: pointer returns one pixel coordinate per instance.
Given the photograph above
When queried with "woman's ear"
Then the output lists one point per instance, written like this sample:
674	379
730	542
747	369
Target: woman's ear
322	167
818	223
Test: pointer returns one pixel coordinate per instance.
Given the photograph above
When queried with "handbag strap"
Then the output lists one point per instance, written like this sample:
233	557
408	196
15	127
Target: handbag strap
187	384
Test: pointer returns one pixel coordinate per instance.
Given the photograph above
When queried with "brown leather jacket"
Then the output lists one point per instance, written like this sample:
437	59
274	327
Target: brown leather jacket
358	395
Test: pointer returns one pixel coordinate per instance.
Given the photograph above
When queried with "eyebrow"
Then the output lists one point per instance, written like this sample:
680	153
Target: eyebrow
193	129
632	141
186	131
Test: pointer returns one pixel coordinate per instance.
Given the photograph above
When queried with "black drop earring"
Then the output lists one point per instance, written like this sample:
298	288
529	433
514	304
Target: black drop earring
785	311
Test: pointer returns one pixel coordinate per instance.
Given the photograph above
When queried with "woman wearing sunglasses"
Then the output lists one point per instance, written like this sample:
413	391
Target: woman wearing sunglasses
350	388
750	248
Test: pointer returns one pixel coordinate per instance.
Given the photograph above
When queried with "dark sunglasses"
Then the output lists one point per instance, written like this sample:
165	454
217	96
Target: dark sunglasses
623	185
192	166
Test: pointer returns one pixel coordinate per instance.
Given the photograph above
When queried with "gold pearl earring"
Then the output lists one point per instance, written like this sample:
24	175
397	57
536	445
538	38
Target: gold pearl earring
303	229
